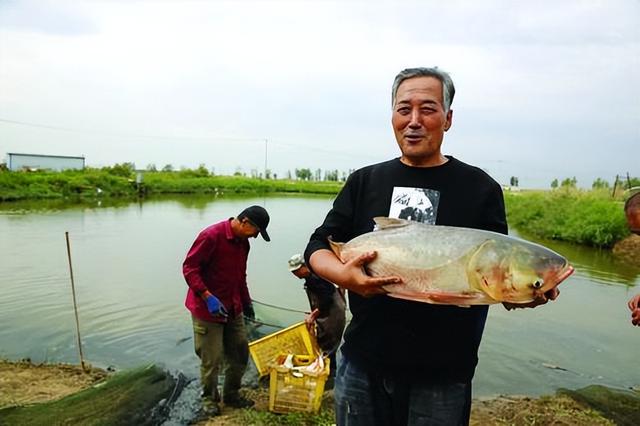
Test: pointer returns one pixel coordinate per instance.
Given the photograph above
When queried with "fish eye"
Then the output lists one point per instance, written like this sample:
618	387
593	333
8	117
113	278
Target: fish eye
537	284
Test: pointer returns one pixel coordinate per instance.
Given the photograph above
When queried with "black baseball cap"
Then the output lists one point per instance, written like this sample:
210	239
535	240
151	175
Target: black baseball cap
259	217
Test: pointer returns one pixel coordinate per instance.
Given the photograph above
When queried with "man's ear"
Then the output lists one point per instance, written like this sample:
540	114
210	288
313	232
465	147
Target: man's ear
449	120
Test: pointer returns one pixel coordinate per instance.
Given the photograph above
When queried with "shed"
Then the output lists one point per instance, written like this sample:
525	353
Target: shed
16	161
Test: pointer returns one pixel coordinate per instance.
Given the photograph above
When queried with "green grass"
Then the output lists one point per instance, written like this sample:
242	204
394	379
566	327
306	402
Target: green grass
620	405
120	182
583	217
179	183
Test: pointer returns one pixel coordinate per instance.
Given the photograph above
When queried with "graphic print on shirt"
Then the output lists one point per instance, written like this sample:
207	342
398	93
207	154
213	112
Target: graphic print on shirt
417	204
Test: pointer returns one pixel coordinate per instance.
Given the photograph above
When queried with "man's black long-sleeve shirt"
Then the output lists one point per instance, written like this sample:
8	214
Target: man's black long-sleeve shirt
414	339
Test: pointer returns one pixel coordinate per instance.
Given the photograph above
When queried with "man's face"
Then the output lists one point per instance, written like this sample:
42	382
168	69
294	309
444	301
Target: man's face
247	229
419	120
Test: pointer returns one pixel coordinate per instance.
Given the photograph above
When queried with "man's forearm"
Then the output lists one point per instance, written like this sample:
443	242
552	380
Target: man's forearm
326	264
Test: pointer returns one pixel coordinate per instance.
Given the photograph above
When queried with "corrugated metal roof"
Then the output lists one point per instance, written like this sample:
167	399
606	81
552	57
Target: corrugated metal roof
45	155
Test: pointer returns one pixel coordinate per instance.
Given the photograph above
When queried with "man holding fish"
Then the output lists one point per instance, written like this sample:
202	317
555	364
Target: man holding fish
410	359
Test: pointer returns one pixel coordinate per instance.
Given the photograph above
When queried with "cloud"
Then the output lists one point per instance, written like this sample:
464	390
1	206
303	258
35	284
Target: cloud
213	80
60	18
504	22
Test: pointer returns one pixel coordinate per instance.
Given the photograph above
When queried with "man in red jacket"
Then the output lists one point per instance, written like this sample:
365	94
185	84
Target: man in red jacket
216	272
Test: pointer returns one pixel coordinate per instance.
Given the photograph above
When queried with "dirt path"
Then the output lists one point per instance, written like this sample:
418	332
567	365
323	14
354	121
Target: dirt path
24	383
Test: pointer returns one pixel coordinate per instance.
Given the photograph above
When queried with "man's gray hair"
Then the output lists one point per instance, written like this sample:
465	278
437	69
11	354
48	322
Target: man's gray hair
448	90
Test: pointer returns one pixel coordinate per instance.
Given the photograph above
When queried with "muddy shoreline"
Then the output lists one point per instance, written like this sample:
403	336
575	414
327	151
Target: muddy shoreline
628	250
24	383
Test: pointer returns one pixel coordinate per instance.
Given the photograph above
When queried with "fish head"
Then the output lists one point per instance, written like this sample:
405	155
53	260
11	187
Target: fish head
516	271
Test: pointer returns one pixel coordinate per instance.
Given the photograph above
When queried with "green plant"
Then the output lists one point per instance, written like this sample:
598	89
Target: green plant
583	217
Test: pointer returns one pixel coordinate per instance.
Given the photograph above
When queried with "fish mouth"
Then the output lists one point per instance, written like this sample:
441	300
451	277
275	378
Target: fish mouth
565	274
555	281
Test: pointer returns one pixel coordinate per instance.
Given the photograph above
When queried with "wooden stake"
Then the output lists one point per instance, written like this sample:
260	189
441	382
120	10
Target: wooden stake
75	305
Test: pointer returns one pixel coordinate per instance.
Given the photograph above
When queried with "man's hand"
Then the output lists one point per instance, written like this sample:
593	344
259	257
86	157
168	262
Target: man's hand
215	306
540	300
350	275
634	306
354	278
248	311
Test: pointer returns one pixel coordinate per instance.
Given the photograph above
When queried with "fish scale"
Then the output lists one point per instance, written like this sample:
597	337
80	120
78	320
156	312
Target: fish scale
460	266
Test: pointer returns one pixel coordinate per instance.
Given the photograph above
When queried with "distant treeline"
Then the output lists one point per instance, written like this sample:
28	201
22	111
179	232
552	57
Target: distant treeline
619	183
594	217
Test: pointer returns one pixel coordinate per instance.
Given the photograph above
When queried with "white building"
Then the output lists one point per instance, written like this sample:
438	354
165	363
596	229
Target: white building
17	161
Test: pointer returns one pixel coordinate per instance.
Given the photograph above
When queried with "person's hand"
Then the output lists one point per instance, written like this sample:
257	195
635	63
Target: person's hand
310	320
215	306
634	306
540	300
248	311
355	279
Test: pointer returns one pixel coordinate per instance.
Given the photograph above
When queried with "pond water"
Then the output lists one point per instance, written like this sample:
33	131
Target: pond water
127	260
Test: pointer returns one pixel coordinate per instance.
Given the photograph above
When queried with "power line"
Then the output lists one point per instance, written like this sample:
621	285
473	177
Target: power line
130	135
272	142
326	151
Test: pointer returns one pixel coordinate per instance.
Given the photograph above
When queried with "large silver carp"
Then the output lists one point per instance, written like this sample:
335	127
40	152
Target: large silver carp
456	266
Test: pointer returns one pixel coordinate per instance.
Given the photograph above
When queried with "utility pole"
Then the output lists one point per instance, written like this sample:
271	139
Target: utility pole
266	141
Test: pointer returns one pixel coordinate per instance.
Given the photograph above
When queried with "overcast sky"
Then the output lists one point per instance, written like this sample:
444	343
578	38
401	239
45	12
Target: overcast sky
545	89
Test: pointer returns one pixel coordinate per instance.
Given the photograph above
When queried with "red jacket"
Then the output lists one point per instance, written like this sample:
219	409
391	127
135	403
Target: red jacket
217	261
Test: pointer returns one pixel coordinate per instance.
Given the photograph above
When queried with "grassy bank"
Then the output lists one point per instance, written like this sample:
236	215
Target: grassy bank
121	182
129	397
583	217
61	394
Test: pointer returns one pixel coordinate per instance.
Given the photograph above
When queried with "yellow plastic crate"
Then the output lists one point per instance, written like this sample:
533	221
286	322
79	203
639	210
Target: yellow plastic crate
293	340
288	393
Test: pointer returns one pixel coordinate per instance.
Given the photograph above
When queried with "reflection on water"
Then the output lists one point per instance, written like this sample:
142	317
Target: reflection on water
127	259
57	204
598	264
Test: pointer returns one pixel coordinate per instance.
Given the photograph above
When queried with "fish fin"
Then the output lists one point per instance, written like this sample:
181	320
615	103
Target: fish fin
335	247
446	298
383	222
476	280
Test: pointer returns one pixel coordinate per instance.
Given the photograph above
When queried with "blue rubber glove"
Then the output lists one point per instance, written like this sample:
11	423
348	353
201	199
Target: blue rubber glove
216	307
